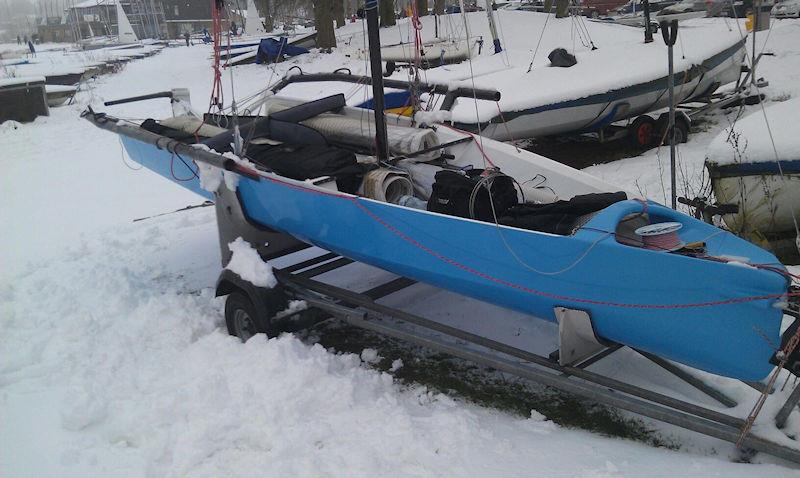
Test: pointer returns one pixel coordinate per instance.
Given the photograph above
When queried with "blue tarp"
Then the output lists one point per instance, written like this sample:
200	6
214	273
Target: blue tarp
395	99
270	49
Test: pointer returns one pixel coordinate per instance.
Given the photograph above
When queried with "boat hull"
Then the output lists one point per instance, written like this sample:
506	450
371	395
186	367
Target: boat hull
596	111
648	300
766	199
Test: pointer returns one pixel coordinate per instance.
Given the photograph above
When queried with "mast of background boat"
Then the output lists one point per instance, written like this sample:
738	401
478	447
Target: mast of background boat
376	67
492	27
464	20
756	15
648	31
669	30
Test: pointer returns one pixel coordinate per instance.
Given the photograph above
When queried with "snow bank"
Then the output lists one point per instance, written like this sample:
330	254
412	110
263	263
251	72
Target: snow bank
748	140
248	265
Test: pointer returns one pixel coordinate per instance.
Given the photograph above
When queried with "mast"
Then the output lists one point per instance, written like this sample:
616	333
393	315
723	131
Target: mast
376	68
492	27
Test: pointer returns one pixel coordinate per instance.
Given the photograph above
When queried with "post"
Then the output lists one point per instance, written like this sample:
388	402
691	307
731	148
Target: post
648	31
492	27
669	30
374	38
756	13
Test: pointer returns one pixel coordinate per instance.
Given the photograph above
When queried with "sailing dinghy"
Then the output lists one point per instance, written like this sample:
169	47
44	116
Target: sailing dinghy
480	218
698	306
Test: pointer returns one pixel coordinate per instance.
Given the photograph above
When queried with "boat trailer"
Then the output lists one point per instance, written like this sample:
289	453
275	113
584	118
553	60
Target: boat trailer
259	309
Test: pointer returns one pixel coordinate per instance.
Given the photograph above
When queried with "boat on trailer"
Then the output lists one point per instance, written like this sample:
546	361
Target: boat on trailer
698	306
501	225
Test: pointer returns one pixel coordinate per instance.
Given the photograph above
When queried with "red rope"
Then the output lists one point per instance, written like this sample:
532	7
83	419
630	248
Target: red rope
216	27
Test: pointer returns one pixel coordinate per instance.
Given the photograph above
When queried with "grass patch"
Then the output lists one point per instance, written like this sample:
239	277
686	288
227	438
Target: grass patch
461	379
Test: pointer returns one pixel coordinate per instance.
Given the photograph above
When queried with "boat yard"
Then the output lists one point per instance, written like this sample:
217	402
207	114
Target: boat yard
118	347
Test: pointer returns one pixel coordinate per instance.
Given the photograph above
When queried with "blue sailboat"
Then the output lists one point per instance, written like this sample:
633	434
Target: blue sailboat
696	295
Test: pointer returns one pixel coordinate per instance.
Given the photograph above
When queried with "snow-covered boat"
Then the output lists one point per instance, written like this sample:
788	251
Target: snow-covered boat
57	95
432	53
617	75
762	180
22	99
578	102
245	54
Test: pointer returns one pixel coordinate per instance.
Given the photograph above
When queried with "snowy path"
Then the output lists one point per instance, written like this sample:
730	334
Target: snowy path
114	360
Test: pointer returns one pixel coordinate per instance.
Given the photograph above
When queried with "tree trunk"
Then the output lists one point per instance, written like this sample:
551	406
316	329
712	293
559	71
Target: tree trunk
548	5
438	7
422	7
338	12
326	39
562	8
264	8
386	12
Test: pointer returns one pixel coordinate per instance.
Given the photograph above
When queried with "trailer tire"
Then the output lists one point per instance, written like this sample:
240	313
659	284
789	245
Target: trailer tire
681	128
642	131
241	317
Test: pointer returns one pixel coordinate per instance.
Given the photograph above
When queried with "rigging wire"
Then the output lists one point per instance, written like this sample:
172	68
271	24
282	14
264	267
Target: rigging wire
538	43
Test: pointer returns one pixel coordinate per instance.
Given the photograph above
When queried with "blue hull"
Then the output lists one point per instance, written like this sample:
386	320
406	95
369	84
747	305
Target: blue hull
681	308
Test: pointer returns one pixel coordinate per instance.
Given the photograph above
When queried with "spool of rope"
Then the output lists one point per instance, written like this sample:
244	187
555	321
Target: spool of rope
387	185
662	236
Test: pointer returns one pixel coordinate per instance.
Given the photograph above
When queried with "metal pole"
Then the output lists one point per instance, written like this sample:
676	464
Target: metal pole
492	27
648	31
669	30
373	35
756	13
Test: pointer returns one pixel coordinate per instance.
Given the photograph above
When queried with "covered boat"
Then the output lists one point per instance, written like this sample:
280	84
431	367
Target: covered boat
760	177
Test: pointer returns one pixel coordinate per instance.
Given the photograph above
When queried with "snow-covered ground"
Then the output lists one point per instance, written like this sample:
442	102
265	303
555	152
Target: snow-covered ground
115	360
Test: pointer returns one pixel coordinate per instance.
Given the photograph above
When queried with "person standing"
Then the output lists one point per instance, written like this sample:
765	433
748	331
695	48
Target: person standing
31	48
186	36
19	41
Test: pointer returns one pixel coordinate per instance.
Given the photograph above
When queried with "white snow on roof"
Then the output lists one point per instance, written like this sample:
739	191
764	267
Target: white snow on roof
750	142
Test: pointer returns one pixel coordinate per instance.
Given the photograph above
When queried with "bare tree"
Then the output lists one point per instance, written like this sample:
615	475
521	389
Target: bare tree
422	7
266	9
562	8
323	18
386	11
438	7
338	12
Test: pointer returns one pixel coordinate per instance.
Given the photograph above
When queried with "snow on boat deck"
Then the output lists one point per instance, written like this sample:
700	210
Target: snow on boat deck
752	136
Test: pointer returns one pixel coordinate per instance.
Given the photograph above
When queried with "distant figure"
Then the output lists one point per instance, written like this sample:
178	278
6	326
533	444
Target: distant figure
186	36
19	40
234	28
31	48
25	39
206	36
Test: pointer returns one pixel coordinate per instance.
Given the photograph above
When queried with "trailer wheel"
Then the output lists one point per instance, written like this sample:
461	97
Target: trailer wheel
681	128
241	317
641	131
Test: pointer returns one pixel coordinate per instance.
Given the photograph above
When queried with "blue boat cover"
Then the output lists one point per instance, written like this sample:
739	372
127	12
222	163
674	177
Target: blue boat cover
270	49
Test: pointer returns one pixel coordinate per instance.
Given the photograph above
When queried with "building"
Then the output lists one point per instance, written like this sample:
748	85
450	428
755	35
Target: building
148	18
